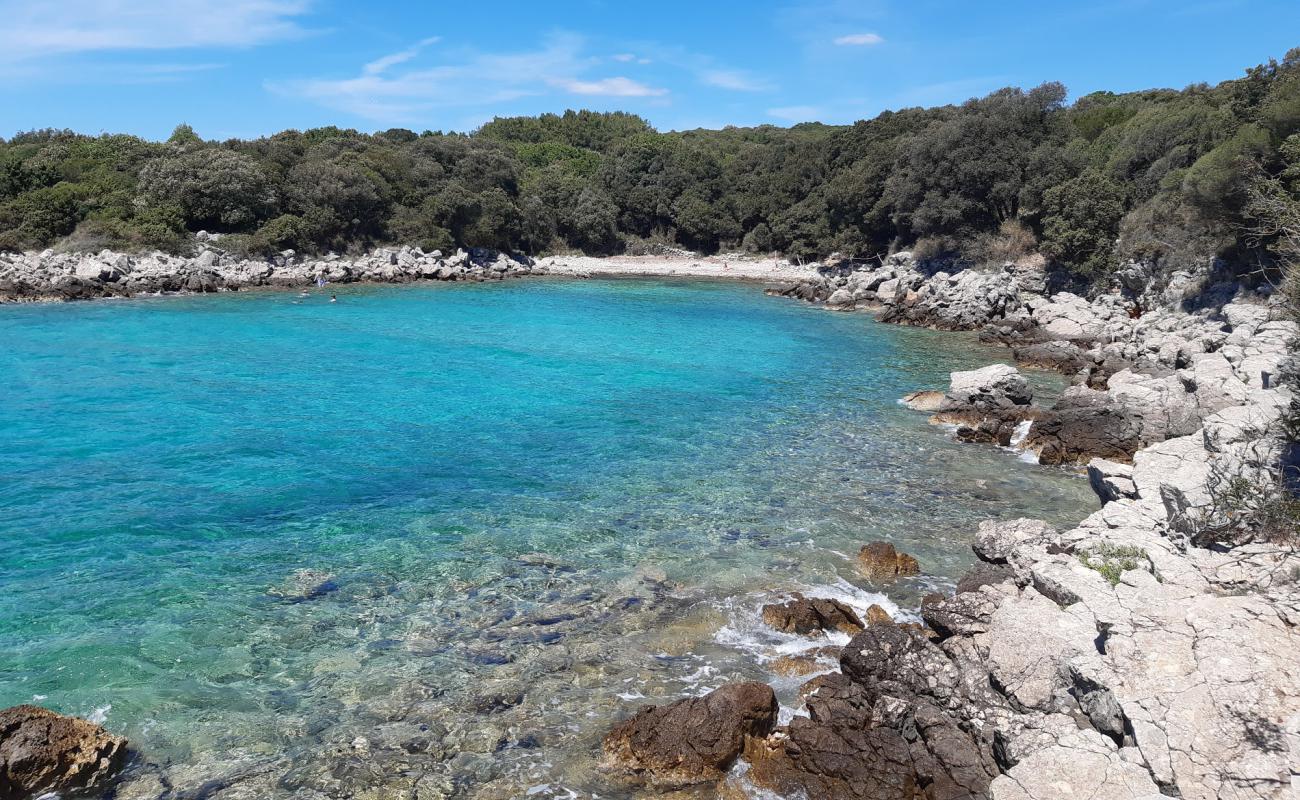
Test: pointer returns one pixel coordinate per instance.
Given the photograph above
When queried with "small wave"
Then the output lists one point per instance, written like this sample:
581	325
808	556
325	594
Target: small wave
1021	433
746	631
100	715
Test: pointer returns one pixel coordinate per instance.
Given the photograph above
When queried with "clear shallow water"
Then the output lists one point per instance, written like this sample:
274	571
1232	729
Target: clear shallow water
680	452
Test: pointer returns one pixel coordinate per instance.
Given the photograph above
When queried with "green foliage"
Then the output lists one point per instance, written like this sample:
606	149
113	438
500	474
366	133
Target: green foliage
216	189
183	134
1080	221
1111	560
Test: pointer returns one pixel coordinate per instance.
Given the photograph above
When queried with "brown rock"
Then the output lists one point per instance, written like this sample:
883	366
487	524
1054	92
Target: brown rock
880	561
806	615
891	726
878	616
41	751
806	663
694	740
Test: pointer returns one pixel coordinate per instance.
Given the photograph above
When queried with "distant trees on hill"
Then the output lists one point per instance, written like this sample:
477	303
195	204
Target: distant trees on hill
1160	175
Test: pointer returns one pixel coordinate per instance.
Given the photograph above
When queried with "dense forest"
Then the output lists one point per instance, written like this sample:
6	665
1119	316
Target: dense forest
1163	175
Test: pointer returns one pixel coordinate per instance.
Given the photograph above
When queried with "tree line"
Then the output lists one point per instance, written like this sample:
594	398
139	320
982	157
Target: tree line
1163	175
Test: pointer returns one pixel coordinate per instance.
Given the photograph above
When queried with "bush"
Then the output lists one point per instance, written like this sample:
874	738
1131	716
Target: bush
1080	221
1013	241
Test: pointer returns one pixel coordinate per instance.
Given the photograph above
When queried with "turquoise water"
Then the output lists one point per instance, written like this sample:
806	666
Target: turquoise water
433	539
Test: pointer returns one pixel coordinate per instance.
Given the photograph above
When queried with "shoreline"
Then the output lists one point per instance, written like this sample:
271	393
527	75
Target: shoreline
1049	671
1062	663
59	277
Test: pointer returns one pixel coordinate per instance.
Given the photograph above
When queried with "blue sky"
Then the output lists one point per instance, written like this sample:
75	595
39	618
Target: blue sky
242	68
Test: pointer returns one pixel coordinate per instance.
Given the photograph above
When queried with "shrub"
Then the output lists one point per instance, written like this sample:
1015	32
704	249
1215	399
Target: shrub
1112	560
1080	222
1013	241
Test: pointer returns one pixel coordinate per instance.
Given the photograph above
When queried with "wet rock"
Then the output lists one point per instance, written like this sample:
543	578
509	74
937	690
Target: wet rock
924	400
805	616
694	740
880	561
1085	424
43	752
878	730
822	659
984	574
878	616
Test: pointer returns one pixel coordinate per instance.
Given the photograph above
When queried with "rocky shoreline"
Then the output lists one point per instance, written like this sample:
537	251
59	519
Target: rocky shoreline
52	277
1119	659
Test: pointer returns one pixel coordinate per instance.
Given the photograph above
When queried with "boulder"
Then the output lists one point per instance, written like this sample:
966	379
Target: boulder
42	752
840	300
1082	425
997	541
997	387
880	561
1111	480
805	616
878	616
694	740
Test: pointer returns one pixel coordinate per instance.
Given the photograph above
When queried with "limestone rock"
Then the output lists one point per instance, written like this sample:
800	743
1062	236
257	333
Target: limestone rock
1111	480
996	387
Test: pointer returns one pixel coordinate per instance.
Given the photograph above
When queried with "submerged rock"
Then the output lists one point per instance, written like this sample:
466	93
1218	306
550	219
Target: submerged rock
44	752
305	584
694	740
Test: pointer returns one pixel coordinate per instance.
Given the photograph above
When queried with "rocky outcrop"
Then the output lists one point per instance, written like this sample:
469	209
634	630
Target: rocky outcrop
805	616
76	276
42	752
694	740
897	722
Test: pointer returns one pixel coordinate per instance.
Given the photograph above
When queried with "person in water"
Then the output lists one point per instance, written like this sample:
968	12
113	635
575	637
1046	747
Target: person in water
334	298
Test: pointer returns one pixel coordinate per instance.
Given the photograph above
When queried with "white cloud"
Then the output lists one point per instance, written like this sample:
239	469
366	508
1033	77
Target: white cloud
734	80
795	113
380	65
859	39
36	30
610	87
404	89
630	58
